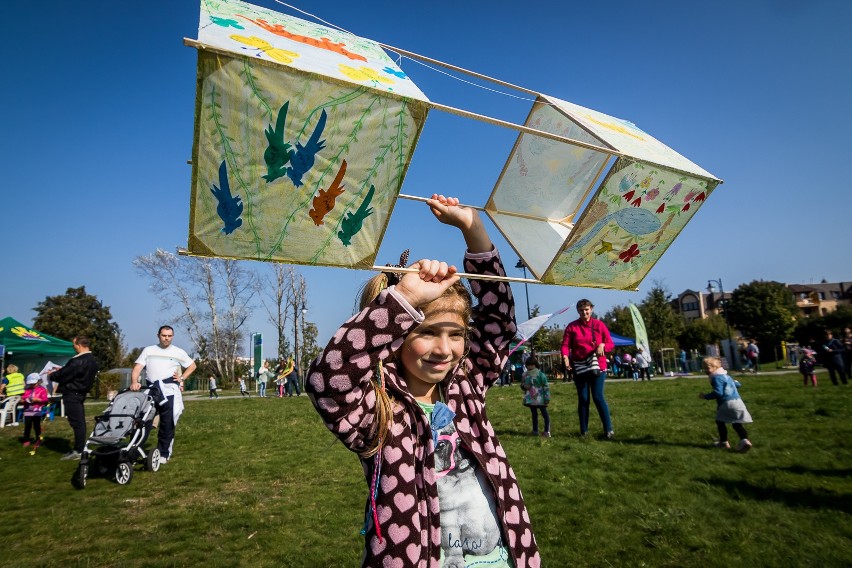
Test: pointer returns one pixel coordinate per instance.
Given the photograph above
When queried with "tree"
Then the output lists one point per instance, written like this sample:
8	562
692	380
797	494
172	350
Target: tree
618	320
662	323
273	295
79	313
811	331
702	332
764	311
208	297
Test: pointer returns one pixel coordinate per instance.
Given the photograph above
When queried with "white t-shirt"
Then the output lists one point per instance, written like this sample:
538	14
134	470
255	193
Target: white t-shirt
161	364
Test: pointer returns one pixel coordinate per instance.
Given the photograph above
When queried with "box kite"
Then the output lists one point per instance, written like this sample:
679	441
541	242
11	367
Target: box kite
303	136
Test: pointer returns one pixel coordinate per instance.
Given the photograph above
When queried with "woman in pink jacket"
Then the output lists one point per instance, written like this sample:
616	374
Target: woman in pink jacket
585	342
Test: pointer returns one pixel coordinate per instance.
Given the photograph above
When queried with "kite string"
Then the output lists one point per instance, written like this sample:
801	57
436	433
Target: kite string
400	57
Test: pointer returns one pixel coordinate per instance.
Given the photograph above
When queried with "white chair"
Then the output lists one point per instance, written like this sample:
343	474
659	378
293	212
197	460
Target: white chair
8	410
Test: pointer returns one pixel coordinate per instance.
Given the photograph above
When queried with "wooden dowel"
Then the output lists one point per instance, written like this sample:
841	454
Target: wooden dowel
509	213
526	129
459	69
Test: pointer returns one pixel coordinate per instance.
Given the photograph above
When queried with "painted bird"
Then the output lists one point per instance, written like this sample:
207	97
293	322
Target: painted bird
278	153
303	160
324	201
352	223
230	207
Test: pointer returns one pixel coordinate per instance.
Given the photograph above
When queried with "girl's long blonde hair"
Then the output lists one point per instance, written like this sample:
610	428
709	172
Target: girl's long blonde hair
455	298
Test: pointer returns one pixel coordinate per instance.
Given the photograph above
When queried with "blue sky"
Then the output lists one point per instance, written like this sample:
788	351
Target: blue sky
98	102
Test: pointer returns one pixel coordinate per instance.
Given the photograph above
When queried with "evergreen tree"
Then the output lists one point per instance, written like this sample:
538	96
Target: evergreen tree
662	323
79	313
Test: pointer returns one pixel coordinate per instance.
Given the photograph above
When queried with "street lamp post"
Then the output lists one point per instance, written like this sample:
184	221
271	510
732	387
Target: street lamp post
303	371
521	264
722	303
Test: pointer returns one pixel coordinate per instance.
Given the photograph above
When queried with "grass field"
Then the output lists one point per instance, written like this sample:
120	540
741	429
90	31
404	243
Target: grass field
261	483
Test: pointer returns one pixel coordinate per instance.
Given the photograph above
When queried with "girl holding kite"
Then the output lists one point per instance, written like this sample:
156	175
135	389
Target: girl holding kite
403	384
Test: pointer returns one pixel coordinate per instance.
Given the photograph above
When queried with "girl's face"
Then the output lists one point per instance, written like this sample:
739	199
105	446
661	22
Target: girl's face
432	350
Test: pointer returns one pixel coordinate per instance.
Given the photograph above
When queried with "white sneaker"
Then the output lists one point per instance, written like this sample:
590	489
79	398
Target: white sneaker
164	461
723	445
744	446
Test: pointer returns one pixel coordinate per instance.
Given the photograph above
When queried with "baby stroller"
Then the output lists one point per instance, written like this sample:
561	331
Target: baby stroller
117	441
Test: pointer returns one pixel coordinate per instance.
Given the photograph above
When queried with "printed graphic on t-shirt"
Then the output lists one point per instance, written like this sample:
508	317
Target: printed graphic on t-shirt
470	533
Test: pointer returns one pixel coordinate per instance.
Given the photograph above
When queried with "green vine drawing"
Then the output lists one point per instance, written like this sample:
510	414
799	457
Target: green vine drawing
231	157
254	90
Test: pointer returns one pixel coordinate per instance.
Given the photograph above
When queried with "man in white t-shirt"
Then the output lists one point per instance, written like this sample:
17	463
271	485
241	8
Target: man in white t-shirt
167	366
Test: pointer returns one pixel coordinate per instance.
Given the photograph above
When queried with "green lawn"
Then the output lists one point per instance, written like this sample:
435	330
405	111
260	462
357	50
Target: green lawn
262	483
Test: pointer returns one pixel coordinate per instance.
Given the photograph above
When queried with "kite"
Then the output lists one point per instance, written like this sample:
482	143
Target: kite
304	135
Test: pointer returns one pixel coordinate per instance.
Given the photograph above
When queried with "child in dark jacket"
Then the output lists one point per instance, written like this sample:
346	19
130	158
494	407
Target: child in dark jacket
403	384
730	408
536	395
807	366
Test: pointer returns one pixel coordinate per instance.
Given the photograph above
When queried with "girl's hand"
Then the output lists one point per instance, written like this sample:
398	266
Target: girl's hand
448	211
429	283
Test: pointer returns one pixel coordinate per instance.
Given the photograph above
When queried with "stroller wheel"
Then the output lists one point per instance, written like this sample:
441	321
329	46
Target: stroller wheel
152	462
123	473
78	480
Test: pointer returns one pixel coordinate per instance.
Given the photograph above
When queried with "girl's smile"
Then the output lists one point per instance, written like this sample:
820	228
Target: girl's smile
431	351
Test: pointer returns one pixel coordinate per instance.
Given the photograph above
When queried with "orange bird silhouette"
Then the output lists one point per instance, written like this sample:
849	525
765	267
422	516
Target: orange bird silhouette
324	201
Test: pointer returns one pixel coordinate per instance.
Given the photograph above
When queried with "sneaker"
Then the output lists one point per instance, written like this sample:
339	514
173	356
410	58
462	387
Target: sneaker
72	455
545	434
744	446
27	444
163	461
722	445
610	435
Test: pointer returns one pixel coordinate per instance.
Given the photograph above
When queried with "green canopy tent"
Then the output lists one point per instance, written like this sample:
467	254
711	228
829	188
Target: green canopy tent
30	349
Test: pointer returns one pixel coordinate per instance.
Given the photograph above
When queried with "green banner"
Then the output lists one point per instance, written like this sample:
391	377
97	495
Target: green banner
639	327
257	344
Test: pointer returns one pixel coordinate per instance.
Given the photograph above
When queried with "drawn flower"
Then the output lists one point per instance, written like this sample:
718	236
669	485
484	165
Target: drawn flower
661	208
637	202
364	74
701	197
651	195
630	253
626	182
689	196
675	190
629	195
685	208
645	182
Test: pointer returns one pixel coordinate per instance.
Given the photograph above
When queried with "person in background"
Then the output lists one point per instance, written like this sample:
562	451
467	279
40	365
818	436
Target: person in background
34	399
753	356
847	351
730	408
167	367
13	382
293	382
807	365
681	359
585	339
213	389
536	395
243	390
263	376
644	361
75	380
832	352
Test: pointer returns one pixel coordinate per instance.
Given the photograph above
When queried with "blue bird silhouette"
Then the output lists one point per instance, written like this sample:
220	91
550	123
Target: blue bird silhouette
353	222
303	160
230	207
278	153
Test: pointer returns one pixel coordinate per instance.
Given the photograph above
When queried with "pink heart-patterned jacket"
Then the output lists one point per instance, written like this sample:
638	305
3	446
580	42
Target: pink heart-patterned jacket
340	386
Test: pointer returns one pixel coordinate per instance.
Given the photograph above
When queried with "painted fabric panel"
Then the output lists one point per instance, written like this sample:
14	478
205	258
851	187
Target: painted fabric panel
294	167
628	225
